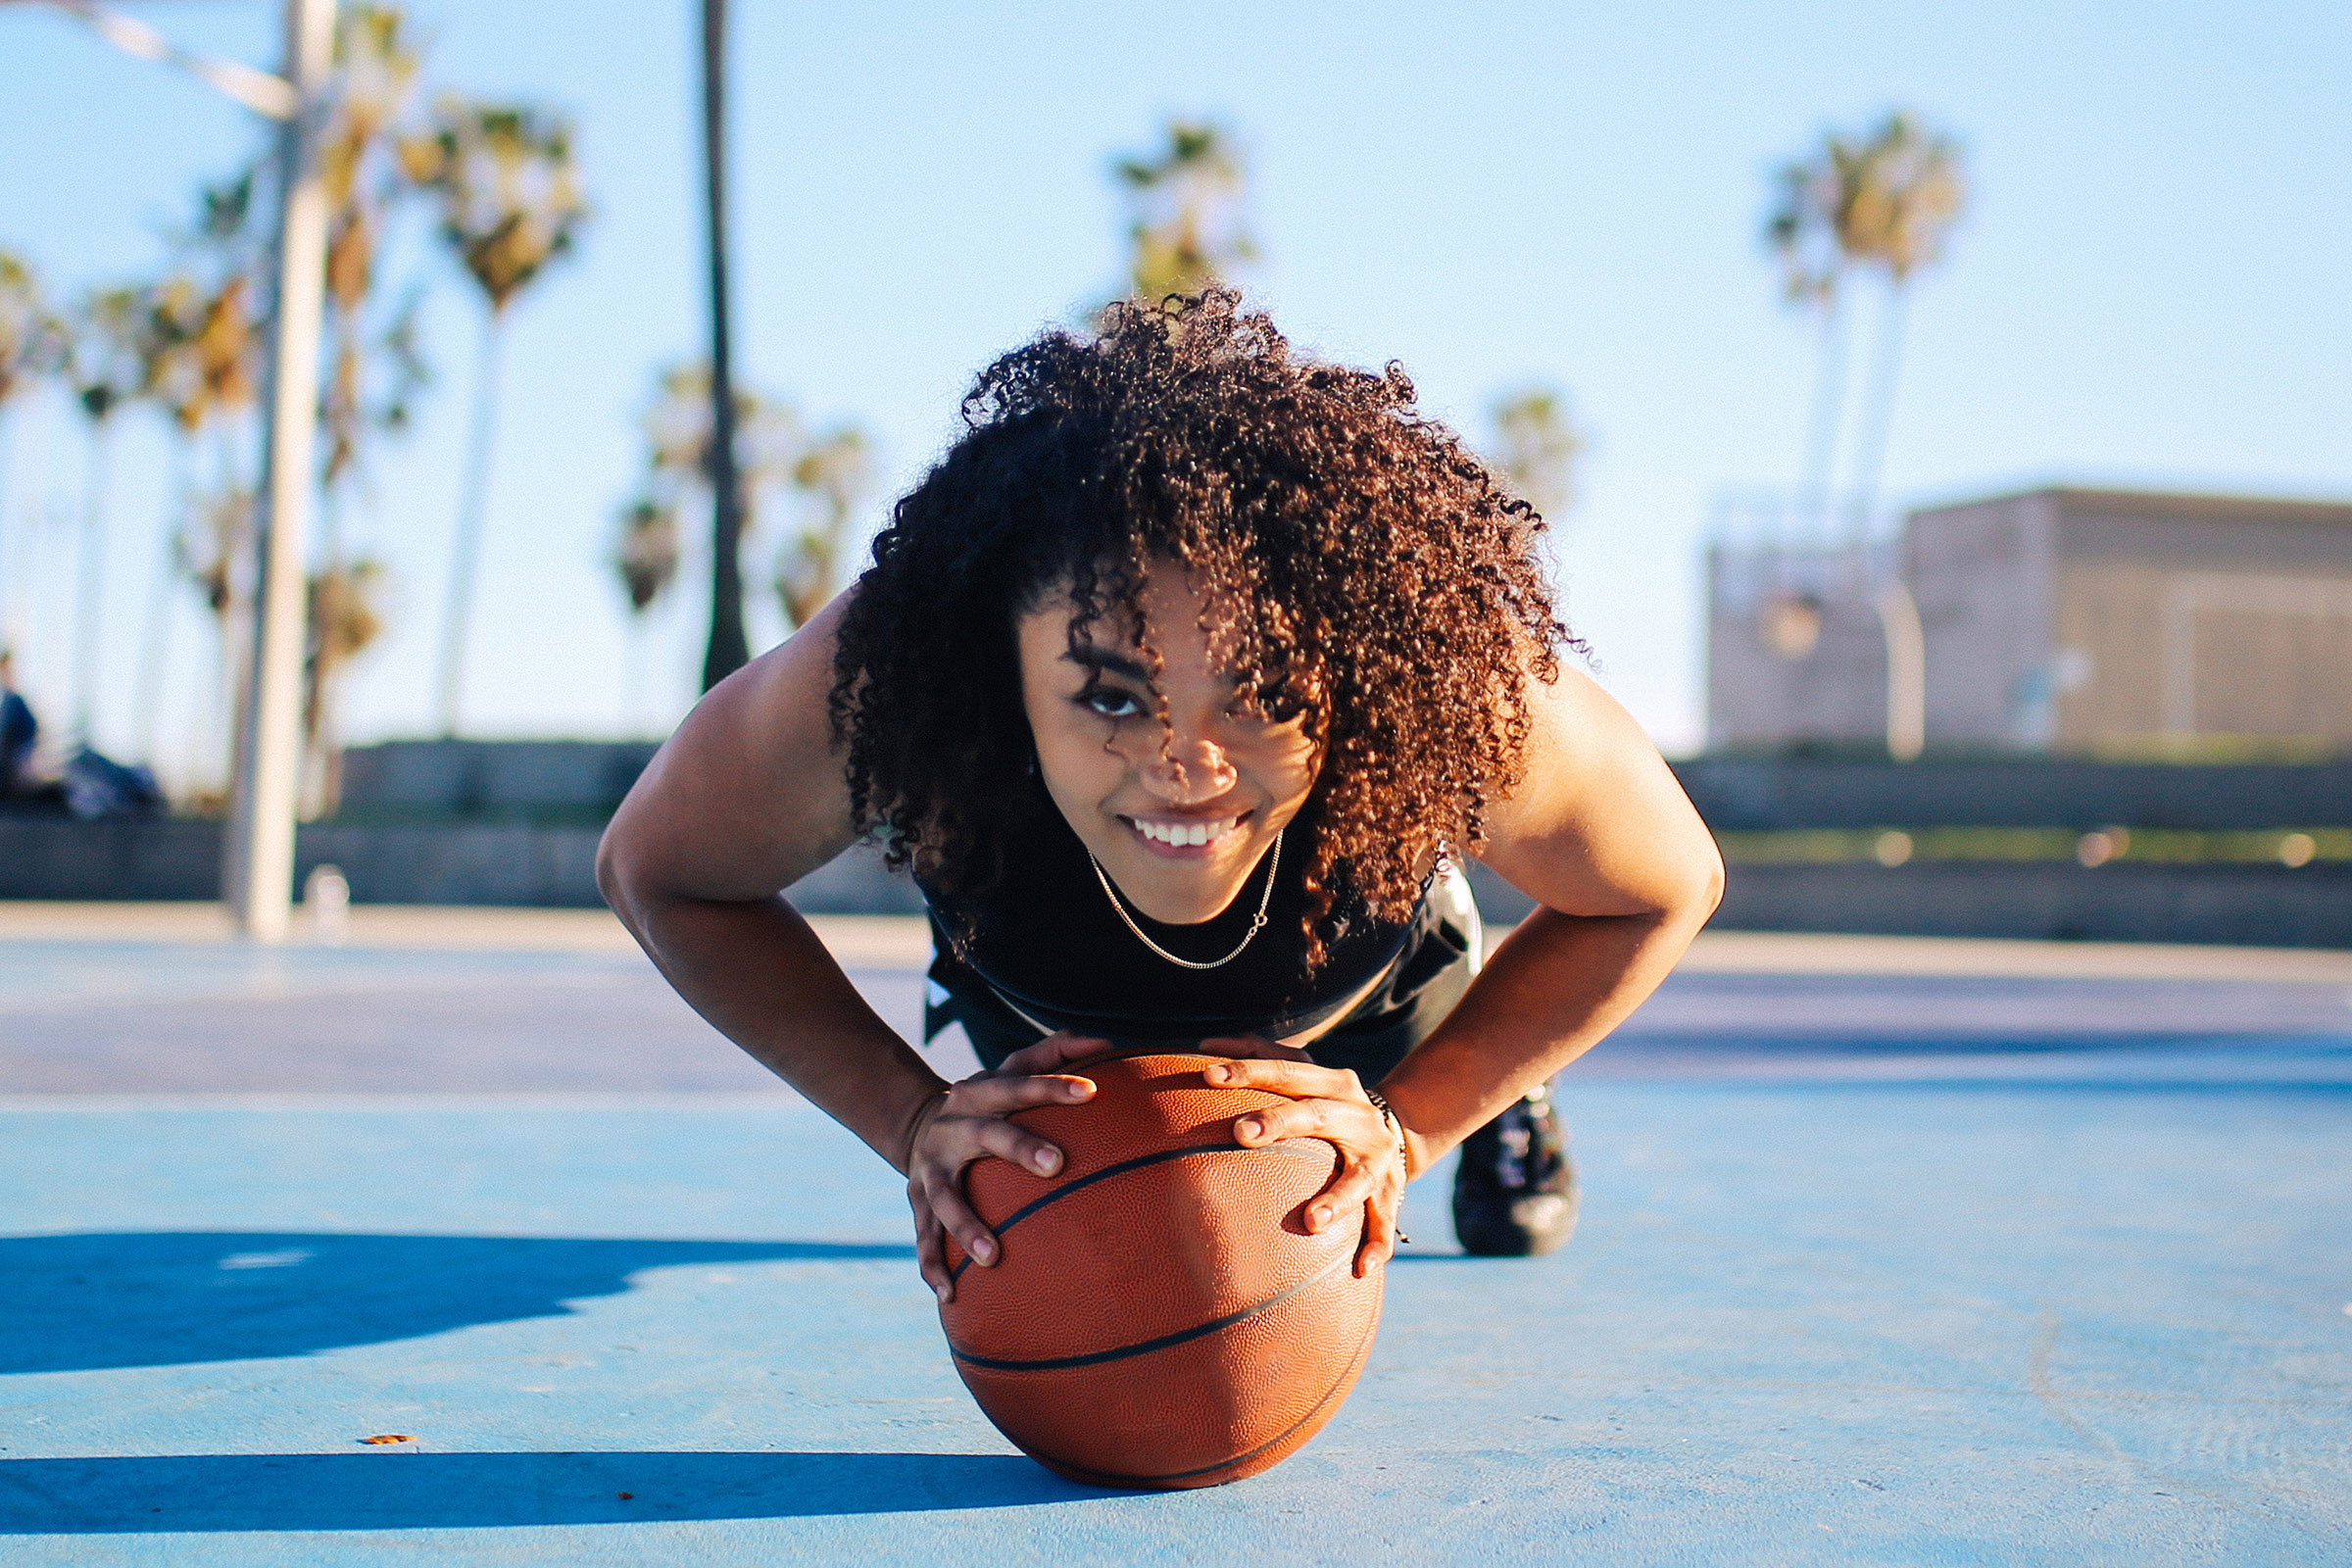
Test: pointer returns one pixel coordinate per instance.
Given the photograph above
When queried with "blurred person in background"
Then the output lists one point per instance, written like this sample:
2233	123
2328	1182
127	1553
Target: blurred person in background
19	732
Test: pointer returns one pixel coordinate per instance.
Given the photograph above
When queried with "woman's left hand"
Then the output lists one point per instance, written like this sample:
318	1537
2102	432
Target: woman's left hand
1330	1103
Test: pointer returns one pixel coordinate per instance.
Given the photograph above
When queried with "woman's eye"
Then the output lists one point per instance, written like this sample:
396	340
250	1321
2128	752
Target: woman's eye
1110	702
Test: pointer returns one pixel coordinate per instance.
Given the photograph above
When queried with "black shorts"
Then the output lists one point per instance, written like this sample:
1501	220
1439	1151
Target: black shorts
1439	958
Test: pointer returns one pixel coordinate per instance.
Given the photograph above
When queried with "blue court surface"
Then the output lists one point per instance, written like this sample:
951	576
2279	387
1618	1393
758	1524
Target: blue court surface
1890	1261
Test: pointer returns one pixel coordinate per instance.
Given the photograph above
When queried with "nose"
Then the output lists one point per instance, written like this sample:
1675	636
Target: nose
1191	769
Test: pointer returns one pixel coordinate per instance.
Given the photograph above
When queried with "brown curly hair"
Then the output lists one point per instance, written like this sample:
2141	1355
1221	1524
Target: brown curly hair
1363	569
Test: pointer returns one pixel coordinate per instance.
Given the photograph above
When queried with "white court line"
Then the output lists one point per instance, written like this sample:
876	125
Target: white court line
903	942
779	1098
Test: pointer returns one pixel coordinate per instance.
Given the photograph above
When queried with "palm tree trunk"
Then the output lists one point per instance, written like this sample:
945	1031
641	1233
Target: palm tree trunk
632	699
1870	459
465	549
8	565
89	601
1829	406
157	640
729	649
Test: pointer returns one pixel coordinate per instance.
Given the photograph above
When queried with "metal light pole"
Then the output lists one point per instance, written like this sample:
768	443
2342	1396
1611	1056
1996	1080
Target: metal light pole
1906	673
257	870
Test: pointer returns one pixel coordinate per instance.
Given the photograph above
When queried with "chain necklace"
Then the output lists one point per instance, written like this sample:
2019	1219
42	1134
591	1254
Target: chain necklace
1258	921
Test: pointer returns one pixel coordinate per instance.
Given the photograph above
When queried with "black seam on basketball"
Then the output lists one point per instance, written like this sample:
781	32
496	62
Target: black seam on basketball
1145	1347
1348	1374
1122	1168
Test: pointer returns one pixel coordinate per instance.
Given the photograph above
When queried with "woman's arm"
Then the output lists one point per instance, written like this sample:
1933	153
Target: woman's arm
745	800
1622	873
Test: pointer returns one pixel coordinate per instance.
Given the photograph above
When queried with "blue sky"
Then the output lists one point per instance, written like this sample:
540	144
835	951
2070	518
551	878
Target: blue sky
2150	287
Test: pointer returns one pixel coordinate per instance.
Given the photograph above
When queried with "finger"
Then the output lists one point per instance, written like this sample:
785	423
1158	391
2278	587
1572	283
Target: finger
1299	1079
1001	1096
1011	1142
962	1223
1380	1238
1252	1046
1054	1050
930	1246
1328	1119
1354	1187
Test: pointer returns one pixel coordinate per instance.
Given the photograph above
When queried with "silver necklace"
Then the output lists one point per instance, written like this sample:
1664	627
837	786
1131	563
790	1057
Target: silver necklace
1258	921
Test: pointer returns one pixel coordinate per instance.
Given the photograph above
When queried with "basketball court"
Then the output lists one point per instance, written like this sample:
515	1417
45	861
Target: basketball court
1892	1251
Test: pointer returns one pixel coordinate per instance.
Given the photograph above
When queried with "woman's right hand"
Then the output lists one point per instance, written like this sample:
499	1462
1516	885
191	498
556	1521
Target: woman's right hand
967	1122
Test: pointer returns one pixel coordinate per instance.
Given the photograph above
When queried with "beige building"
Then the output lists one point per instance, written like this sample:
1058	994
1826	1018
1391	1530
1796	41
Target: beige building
2087	622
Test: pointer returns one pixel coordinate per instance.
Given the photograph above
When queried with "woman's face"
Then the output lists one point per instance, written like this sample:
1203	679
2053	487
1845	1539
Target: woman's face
1179	819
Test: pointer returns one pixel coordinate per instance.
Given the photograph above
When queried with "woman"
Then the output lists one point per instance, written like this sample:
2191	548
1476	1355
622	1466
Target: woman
1183	682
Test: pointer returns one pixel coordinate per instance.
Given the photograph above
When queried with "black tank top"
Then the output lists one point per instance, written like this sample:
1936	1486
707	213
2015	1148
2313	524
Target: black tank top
1045	939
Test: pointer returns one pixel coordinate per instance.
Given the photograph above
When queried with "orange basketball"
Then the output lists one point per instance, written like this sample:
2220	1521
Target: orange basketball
1159	1315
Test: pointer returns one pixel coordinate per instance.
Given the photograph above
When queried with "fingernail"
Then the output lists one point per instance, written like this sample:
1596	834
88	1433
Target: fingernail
941	1291
984	1249
1081	1090
1219	1075
1322	1217
1043	1159
1250	1127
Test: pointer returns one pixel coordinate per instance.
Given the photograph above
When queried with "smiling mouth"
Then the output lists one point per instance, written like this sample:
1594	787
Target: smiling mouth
1185	835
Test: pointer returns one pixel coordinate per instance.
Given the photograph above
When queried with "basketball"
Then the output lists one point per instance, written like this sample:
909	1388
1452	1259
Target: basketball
1159	1315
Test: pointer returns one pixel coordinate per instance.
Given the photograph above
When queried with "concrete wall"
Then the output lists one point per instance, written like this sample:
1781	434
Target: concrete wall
2269	906
2252	906
1760	694
2255	905
464	778
1738	795
2193	617
2084	620
1981	575
55	857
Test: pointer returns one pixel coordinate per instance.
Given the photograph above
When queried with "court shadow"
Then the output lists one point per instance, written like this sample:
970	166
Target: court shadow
84	1301
397	1489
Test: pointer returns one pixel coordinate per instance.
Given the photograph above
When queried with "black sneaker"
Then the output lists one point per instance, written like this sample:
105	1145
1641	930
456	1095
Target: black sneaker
1514	1193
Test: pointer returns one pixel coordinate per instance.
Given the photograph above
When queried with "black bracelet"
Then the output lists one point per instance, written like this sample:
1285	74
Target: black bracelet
1396	1125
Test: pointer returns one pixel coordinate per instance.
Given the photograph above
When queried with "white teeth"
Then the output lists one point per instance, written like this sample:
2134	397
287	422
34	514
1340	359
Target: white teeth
1184	833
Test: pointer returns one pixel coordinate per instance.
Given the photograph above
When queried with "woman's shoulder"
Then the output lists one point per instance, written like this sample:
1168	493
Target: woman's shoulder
749	795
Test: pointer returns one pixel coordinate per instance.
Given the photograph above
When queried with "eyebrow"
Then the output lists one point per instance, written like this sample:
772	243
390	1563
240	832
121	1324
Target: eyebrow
1106	661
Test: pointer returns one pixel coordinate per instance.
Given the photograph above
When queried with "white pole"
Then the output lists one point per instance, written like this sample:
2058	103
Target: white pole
1906	673
258	874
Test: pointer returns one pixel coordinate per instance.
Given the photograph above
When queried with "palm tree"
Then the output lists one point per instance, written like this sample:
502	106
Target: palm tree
215	544
1909	199
200	350
1885	201
645	561
346	615
833	473
107	363
1187	226
376	66
32	346
729	648
680	453
510	204
1535	446
210	379
681	448
1806	233
360	157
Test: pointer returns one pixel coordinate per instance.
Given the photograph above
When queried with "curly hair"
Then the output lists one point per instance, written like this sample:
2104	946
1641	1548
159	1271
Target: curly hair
1362	571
